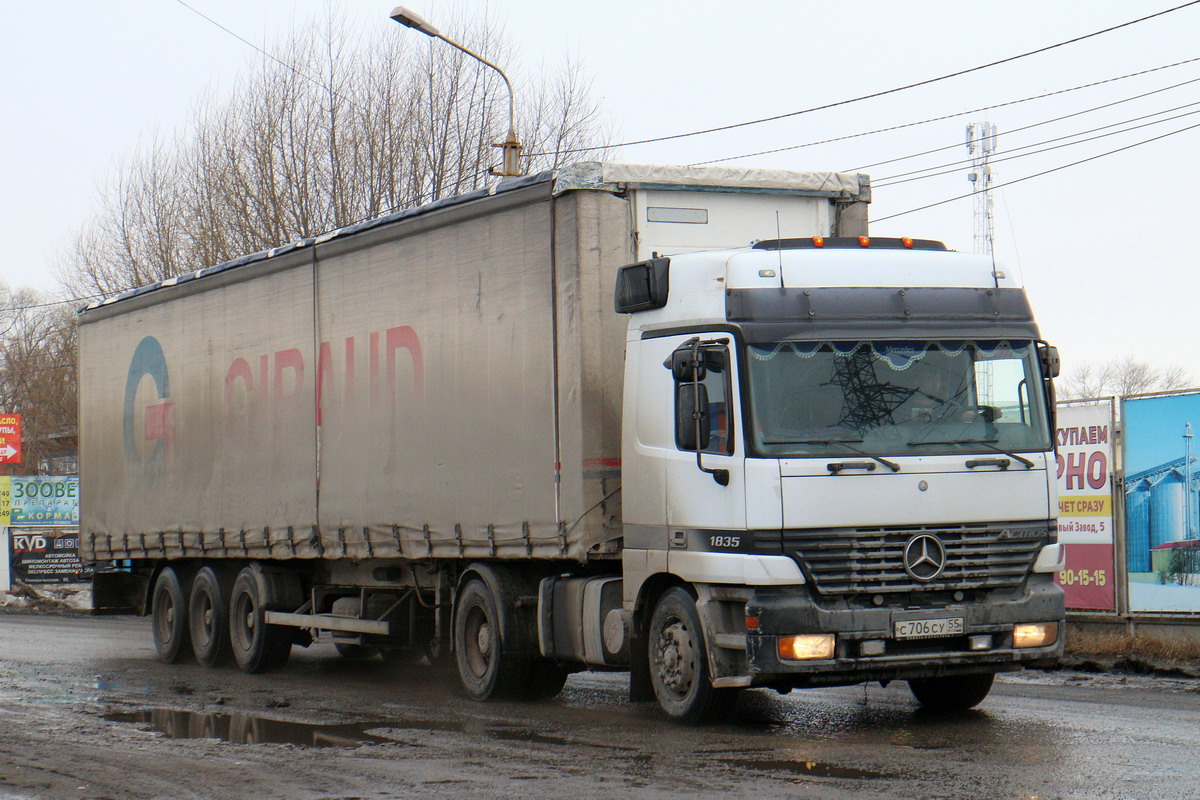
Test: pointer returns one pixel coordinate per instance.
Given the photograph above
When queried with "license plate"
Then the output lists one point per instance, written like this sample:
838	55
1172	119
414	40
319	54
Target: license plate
929	628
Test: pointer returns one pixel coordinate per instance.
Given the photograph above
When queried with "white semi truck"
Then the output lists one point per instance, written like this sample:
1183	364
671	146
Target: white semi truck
791	456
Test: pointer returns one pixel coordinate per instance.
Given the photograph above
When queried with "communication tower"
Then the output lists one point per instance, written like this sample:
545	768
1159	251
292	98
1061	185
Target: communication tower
981	143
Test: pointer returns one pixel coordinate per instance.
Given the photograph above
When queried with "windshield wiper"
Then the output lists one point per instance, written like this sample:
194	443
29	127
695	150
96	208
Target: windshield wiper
986	443
892	465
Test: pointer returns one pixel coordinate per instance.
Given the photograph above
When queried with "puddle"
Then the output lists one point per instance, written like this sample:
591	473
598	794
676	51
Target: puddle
245	729
444	725
507	735
812	769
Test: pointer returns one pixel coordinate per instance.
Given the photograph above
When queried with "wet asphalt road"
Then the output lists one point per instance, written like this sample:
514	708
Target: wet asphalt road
86	712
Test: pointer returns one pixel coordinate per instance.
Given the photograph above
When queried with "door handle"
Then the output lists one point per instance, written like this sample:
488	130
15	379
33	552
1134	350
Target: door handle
1002	463
837	466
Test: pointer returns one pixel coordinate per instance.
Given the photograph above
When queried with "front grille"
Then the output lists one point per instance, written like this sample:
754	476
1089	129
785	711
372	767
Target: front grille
871	560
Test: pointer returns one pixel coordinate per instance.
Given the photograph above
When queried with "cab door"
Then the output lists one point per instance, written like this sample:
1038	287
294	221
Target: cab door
705	458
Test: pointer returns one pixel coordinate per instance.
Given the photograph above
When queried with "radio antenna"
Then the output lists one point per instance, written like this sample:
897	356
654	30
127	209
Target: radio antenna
779	247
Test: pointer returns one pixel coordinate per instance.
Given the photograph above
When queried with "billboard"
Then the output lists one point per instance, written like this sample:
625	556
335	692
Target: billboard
46	555
41	500
1162	505
1084	439
10	438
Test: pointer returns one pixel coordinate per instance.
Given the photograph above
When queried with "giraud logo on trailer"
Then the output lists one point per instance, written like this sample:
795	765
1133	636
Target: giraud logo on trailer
150	435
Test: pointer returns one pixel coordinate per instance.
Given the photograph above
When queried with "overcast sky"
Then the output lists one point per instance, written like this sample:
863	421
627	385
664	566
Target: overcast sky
1105	248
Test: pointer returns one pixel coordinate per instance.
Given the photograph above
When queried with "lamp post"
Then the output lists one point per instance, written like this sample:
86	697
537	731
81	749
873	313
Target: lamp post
511	148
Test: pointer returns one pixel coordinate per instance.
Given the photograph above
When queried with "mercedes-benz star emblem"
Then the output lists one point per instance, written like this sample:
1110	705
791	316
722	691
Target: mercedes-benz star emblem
924	557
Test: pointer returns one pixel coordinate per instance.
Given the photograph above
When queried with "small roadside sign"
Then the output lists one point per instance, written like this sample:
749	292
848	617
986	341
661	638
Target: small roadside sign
10	438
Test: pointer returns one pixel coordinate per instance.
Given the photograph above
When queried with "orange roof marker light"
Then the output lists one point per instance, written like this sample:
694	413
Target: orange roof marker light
818	241
864	241
906	241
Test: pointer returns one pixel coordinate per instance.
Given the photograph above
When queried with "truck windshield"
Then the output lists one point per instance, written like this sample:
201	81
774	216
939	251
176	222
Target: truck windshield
896	397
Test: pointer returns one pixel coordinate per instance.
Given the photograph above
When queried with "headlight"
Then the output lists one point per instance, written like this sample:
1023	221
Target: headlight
806	647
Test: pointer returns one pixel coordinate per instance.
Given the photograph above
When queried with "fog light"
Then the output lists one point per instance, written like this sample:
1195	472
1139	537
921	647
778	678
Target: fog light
805	647
979	642
1035	634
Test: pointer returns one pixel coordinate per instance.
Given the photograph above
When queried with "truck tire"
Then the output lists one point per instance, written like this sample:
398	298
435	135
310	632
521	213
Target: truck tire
356	652
486	670
169	617
257	646
679	661
208	617
543	680
954	693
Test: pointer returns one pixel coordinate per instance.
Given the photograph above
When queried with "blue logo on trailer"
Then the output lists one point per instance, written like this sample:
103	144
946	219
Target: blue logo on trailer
148	359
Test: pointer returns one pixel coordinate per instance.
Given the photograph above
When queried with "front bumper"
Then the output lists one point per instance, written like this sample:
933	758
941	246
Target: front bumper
786	613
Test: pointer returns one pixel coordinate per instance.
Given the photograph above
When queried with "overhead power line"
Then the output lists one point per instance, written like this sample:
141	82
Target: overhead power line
29	307
1039	174
1035	124
916	175
955	115
883	92
277	59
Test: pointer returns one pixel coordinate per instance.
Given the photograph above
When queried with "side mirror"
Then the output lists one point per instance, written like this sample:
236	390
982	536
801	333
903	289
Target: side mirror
643	286
1051	364
688	365
691	399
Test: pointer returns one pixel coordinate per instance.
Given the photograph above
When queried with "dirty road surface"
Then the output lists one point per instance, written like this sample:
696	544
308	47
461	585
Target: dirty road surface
88	713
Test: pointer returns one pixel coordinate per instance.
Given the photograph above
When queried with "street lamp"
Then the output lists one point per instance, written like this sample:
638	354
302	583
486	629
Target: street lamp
512	146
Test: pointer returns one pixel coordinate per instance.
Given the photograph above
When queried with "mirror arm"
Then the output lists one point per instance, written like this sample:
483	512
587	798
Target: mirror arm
721	476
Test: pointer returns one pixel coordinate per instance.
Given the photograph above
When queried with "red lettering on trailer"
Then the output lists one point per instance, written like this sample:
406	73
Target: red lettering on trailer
286	360
281	376
238	370
405	338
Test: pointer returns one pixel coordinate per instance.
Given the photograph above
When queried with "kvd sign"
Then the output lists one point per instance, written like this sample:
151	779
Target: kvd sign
10	438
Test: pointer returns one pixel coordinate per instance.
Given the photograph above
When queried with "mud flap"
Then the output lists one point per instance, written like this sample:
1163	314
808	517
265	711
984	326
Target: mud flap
640	687
722	612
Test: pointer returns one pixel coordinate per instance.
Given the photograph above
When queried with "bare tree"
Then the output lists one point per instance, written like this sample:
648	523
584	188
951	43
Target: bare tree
1122	377
38	381
336	134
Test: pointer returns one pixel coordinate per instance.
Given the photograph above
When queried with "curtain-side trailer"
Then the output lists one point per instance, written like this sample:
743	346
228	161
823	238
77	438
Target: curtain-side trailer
785	455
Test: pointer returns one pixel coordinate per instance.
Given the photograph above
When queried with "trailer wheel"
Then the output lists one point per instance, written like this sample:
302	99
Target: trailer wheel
401	656
679	662
208	616
487	672
356	652
257	646
169	617
954	693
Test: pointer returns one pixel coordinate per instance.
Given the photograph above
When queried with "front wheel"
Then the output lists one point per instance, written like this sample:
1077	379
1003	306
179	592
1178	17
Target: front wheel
679	661
954	693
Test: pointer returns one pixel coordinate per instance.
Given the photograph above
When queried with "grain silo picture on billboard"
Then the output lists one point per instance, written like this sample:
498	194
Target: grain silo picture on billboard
1162	502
